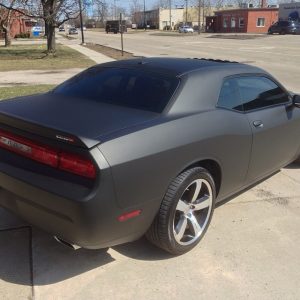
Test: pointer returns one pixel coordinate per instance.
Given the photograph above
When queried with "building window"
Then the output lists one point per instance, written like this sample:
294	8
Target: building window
241	22
232	22
260	22
224	23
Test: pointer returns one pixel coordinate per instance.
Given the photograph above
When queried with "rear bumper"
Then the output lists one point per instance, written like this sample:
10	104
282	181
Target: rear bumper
89	224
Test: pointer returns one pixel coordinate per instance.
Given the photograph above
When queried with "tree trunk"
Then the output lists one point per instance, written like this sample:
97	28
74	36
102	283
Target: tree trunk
51	44
46	29
7	37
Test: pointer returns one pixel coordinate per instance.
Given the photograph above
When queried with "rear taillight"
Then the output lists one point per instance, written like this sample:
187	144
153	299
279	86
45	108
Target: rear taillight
76	164
69	162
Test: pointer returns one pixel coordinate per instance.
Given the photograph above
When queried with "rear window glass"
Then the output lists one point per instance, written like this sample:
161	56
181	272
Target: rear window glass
126	87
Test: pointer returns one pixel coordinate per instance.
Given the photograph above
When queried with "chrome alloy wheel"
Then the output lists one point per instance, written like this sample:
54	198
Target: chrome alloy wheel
193	212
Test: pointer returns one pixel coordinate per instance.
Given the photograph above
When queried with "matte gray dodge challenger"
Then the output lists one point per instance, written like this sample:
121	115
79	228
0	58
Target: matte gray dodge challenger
145	146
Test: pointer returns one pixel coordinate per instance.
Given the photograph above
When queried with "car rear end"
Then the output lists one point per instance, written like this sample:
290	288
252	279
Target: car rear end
52	172
53	185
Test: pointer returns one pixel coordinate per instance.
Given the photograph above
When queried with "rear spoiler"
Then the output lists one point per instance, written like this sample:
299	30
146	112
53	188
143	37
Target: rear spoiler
50	133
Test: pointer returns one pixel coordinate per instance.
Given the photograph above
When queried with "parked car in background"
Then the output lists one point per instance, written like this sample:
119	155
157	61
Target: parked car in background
61	29
285	27
143	146
186	29
73	30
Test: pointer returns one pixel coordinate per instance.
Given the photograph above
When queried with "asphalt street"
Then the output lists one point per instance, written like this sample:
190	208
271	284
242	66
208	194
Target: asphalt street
278	54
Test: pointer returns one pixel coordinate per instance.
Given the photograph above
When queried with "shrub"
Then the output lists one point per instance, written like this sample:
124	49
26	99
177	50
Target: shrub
23	35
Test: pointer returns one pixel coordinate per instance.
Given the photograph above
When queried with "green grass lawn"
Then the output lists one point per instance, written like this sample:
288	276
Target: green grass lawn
16	91
33	57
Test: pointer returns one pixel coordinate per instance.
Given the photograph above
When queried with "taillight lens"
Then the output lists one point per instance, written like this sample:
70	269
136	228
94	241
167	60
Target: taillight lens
31	150
65	161
76	164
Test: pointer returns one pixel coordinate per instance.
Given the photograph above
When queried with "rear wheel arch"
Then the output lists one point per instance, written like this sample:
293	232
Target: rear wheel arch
212	166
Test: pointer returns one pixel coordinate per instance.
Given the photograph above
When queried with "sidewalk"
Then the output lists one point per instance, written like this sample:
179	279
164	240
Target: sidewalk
33	77
97	57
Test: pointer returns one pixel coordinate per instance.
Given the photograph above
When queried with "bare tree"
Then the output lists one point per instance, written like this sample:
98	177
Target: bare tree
100	9
53	12
161	4
135	11
6	18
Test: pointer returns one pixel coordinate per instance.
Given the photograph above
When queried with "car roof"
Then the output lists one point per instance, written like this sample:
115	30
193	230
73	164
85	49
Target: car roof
182	66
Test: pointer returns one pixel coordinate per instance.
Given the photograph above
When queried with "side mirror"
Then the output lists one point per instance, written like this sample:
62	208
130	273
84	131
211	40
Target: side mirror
296	100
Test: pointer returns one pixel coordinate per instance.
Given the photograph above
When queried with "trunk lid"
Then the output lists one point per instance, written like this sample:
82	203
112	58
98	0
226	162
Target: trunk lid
72	120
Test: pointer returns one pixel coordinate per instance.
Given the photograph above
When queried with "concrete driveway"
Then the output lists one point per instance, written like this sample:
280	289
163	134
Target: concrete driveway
251	251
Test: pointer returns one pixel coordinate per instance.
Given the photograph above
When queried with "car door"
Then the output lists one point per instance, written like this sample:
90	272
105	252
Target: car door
275	124
235	138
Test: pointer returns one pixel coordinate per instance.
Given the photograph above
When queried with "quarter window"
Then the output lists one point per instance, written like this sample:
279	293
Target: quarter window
229	96
260	22
258	92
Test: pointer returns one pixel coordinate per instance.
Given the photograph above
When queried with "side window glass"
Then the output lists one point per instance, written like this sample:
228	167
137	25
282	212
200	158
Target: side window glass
229	96
258	92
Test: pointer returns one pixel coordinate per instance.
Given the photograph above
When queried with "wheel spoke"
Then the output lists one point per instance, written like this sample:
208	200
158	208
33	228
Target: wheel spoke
196	228
203	202
180	228
182	206
197	190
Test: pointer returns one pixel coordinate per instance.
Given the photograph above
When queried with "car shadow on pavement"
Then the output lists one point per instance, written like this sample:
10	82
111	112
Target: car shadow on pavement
30	257
54	262
142	249
293	166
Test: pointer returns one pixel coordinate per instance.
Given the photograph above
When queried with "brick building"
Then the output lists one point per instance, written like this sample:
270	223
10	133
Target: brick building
245	20
20	24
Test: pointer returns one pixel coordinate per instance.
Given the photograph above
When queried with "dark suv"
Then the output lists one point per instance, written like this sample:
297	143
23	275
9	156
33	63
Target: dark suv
284	27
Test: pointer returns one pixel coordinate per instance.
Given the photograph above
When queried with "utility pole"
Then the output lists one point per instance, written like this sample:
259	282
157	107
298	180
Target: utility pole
199	16
81	23
122	31
186	11
145	26
170	4
203	14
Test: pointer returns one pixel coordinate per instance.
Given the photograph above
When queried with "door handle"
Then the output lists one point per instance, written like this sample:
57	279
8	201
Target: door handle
258	124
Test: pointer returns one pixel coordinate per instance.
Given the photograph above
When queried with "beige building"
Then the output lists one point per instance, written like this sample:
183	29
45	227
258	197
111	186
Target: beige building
162	18
158	18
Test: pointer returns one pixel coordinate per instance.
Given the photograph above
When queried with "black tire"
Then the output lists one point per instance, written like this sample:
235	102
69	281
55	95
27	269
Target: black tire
161	232
297	161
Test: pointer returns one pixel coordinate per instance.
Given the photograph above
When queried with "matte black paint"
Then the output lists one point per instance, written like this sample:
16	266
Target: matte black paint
138	153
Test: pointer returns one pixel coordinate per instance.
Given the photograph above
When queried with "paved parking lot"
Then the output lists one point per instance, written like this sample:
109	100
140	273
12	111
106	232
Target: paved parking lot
251	250
278	54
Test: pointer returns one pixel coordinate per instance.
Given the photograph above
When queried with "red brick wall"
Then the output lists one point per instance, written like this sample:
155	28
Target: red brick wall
228	15
270	18
250	20
18	25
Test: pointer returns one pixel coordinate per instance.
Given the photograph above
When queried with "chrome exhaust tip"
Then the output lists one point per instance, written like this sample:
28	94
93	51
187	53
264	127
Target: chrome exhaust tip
69	245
